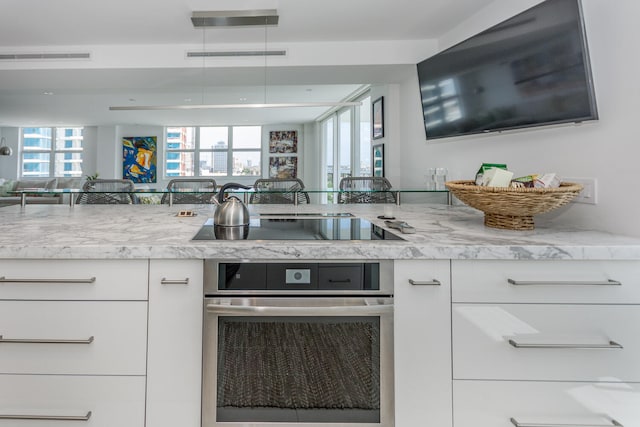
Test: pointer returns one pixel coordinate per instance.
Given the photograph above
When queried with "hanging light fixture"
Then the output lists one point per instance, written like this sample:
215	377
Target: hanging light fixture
4	149
235	18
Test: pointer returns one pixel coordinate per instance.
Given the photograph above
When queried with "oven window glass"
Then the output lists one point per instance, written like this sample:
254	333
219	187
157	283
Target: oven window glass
298	369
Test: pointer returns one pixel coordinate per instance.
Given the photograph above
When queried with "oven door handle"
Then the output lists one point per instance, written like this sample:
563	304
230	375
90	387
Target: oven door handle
343	310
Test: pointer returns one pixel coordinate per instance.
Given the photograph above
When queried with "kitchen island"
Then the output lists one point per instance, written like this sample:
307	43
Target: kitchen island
491	327
155	232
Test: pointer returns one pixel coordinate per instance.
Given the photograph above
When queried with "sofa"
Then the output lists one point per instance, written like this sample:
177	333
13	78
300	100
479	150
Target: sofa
9	185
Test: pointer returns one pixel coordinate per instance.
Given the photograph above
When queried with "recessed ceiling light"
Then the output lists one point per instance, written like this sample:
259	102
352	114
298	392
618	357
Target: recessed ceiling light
47	93
243	99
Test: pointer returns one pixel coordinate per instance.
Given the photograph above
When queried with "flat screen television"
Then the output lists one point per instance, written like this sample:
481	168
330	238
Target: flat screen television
530	70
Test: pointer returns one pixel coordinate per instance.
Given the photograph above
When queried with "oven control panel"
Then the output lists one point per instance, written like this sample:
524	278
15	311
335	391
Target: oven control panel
297	277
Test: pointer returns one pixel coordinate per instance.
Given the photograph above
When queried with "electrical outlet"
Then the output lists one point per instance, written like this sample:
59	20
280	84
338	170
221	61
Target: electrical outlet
589	193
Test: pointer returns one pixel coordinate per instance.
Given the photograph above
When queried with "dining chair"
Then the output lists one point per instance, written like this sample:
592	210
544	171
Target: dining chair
107	192
279	190
366	189
190	191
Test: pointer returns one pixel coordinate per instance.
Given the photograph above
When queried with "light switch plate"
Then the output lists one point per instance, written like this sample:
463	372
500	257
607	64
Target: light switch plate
589	193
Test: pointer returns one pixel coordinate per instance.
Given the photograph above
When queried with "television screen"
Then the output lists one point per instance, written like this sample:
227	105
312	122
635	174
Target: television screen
530	70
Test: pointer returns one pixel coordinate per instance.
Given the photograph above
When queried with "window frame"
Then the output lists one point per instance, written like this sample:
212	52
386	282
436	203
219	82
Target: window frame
355	117
197	152
52	152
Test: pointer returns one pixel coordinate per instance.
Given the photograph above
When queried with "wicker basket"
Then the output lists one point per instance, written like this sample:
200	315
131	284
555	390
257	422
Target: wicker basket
512	208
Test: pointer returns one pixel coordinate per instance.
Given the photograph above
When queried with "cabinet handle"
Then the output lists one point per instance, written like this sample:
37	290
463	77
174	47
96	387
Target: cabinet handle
43	341
8	280
519	424
433	282
569	283
339	281
47	417
609	345
165	281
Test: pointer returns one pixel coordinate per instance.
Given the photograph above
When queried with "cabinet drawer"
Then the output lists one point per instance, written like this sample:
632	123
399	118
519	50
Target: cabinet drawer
74	279
609	282
546	342
111	401
495	403
106	337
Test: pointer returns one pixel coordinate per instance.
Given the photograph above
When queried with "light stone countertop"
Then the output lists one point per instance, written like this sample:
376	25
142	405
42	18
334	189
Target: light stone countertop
154	231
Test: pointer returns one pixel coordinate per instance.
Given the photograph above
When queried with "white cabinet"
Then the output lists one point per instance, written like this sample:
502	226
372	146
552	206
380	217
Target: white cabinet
80	280
104	401
422	334
545	343
175	343
600	282
73	342
545	403
73	337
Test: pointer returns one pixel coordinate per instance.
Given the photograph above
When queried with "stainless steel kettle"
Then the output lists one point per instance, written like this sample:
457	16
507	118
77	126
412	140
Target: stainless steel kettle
230	212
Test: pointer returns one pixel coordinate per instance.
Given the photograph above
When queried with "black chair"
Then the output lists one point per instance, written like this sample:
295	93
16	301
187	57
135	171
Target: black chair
366	189
279	190
108	192
190	191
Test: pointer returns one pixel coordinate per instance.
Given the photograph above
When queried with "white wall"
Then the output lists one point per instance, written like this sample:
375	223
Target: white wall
607	149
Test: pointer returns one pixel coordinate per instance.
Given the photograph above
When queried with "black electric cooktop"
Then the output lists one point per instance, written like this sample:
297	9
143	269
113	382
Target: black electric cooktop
301	229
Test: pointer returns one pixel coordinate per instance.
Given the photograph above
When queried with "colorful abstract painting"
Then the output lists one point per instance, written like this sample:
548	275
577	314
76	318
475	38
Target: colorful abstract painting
283	141
139	158
283	167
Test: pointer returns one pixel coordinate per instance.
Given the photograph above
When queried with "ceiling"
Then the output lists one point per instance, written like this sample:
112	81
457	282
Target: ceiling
79	93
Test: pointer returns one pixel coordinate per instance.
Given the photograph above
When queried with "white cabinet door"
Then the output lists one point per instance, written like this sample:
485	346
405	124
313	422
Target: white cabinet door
175	343
73	337
422	334
570	282
552	342
497	403
106	401
73	279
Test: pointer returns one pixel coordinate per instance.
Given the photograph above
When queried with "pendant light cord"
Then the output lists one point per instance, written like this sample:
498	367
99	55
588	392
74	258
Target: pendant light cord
204	75
265	60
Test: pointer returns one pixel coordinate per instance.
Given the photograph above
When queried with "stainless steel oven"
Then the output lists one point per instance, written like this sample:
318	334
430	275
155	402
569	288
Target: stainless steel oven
307	344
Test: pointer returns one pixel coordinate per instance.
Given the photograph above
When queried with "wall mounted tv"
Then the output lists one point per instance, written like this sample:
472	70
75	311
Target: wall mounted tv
530	70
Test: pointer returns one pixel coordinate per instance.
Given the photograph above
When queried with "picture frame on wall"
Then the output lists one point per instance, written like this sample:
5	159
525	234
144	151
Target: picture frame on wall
377	118
377	159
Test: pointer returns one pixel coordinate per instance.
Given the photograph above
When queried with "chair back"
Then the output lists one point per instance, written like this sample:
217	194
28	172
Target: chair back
279	190
107	192
373	189
190	191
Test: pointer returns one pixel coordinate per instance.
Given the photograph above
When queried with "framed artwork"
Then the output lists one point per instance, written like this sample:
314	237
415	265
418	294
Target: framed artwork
377	118
283	167
139	158
281	142
377	159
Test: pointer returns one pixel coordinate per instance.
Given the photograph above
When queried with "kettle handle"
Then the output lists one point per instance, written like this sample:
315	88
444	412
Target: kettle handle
230	185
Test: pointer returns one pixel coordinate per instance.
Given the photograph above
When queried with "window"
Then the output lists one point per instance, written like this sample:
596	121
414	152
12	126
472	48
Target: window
346	139
52	152
218	151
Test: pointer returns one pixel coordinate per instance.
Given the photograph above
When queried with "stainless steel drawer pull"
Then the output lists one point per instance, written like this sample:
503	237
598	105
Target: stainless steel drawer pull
47	417
9	280
567	283
519	424
609	345
43	341
433	282
165	281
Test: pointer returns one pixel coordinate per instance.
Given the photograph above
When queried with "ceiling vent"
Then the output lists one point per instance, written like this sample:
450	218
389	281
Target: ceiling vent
235	53
43	56
235	18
